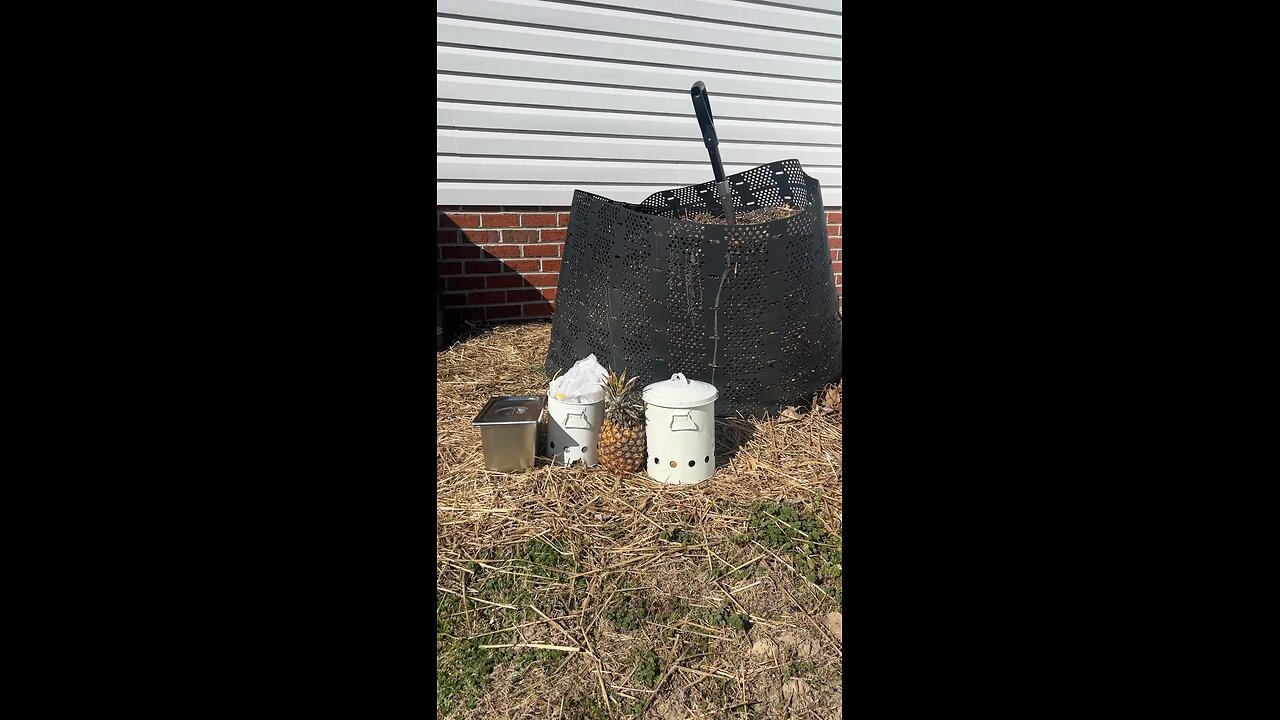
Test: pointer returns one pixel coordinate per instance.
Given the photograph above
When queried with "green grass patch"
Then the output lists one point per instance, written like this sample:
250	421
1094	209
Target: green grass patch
585	708
726	616
681	531
533	656
799	668
744	572
446	607
629	613
589	708
541	558
648	667
668	613
519	575
462	671
789	530
634	610
499	586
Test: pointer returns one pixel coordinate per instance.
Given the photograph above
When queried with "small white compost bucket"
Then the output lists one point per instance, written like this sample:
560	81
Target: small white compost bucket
573	430
680	426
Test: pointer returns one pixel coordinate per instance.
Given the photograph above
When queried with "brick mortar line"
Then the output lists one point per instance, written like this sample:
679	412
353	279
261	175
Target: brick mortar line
539	299
479	307
496	274
531	272
479	290
522	257
507	289
514	227
457	231
482	290
521	245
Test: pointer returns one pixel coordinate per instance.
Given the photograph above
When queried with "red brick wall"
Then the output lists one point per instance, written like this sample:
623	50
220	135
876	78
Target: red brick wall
502	263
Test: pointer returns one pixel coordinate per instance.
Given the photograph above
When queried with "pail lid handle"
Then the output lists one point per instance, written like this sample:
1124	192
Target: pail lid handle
681	378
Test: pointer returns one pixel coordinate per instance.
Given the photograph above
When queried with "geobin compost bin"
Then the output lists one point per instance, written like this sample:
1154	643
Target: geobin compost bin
728	282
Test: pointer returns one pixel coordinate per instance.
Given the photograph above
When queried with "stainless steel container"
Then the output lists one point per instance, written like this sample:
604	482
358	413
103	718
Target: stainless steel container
509	431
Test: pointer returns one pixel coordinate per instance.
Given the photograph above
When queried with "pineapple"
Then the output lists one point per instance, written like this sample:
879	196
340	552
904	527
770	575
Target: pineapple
623	446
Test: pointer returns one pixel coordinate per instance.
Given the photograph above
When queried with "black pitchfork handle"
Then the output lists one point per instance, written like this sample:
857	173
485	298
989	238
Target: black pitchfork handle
702	108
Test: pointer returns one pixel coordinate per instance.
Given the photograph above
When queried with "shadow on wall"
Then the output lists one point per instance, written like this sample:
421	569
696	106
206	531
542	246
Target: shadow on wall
489	276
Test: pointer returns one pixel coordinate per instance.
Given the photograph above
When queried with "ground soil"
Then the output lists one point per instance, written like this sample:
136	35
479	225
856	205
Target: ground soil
613	596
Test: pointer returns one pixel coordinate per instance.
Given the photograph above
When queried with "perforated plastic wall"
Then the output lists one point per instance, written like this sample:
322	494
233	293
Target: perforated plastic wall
751	309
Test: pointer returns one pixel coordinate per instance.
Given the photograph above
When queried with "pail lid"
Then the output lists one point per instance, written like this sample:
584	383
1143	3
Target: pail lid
680	392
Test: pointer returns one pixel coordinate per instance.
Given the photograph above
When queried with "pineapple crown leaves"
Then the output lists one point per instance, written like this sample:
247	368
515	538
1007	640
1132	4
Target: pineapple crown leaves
621	402
620	384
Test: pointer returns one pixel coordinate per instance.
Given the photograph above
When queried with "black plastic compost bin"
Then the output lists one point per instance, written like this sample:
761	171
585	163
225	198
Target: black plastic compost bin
749	308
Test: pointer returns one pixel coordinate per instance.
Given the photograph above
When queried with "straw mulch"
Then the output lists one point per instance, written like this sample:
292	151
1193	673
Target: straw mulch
571	592
751	217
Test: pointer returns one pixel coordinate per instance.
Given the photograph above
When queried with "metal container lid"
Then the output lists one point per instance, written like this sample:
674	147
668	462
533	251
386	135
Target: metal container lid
510	410
680	392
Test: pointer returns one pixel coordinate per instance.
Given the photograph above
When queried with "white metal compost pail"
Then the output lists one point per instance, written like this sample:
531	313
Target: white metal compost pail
573	430
680	425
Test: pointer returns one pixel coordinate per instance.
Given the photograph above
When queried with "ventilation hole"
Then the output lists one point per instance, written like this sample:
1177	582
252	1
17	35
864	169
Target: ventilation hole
553	444
692	463
673	463
655	461
706	459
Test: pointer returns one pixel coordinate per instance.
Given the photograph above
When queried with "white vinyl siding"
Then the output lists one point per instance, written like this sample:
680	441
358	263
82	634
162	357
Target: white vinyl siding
537	98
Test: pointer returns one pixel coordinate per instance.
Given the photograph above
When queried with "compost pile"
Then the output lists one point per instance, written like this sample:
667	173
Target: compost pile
753	217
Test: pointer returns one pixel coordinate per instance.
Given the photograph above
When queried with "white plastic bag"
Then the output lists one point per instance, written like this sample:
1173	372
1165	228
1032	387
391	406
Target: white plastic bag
583	383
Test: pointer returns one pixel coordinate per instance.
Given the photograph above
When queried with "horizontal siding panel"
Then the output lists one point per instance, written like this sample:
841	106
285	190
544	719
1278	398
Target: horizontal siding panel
832	6
650	126
719	82
527	39
453	167
525	92
536	99
764	16
657	27
473	142
461	193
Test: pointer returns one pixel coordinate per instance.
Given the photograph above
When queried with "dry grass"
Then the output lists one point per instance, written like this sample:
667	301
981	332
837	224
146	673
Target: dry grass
751	217
570	592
